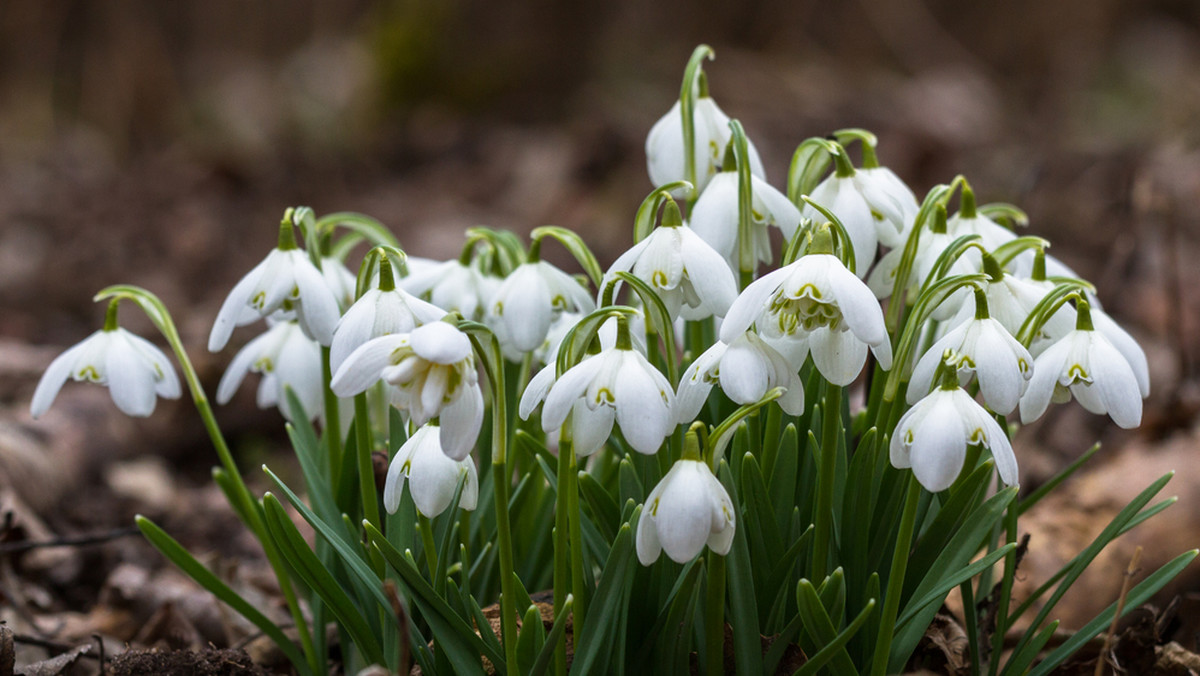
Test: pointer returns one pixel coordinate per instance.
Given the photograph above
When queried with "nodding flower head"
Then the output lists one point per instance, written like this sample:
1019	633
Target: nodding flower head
688	509
430	474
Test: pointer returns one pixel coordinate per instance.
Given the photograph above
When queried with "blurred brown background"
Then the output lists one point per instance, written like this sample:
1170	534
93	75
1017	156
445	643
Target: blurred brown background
158	143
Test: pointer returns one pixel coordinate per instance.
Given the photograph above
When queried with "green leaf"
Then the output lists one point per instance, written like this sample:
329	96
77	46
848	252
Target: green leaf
647	213
838	645
605	513
309	569
454	635
532	637
809	163
594	642
743	607
1000	211
556	633
1137	596
818	625
1020	661
174	551
1044	490
575	244
938	593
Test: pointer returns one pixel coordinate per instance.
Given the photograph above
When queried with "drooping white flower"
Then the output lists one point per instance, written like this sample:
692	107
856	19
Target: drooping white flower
339	280
378	313
133	369
882	186
547	353
715	216
286	358
932	438
688	509
1011	299
432	371
454	287
1084	363
285	280
746	369
665	160
820	306
431	475
882	279
618	384
983	348
683	269
864	209
523	307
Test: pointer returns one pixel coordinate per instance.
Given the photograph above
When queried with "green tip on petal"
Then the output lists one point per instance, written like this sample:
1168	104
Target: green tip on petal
671	217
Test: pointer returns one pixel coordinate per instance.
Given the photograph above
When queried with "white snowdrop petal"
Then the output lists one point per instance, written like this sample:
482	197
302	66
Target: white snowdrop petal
750	304
461	420
643	410
53	379
590	429
130	379
363	367
318	311
1115	383
235	304
1046	370
783	213
709	274
535	391
838	355
938	449
573	383
745	375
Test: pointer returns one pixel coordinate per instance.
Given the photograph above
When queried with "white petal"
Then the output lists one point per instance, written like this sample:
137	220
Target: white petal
838	355
750	304
52	380
783	212
1046	369
715	215
744	373
709	273
567	389
590	428
433	478
1127	346
440	343
354	328
536	391
235	303
648	546
1001	380
859	306
318	308
695	385
1116	383
461	420
363	366
684	514
130	379
938	449
643	405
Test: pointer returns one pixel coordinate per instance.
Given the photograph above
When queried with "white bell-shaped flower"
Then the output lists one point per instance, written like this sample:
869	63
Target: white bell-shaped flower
432	373
864	209
527	301
379	312
665	160
133	369
430	474
882	186
286	358
339	280
715	216
286	280
617	385
684	270
746	369
820	306
454	287
688	509
1011	299
981	347
1086	364
932	437
882	279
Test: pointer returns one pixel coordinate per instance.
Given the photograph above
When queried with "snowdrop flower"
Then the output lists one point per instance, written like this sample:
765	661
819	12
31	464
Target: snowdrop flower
932	437
882	181
525	304
688	509
454	287
134	370
286	358
715	216
685	272
882	279
817	305
432	371
746	369
618	384
981	347
432	477
1010	299
379	312
866	211
665	160
339	280
1086	364
285	280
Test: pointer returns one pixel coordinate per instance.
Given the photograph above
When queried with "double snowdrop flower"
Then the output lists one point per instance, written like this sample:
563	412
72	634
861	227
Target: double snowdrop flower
814	304
1086	364
665	161
379	312
618	384
932	437
527	301
682	268
747	369
431	476
432	372
869	213
135	371
286	358
984	348
285	280
715	216
688	509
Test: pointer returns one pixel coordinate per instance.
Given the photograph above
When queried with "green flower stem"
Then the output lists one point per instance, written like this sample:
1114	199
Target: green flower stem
431	554
831	428
249	508
1006	585
562	549
687	109
366	466
745	239
971	618
714	615
895	580
575	524
333	423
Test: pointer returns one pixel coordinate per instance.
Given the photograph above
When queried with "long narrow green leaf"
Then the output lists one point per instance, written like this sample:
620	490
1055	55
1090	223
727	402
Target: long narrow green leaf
1043	490
938	593
1020	661
174	551
556	632
1137	596
821	628
743	607
838	645
309	569
448	628
594	643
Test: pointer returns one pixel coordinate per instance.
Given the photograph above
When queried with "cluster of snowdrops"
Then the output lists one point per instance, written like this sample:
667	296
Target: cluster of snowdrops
824	409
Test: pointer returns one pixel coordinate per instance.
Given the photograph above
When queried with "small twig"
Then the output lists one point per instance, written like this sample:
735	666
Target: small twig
69	540
1129	574
100	646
